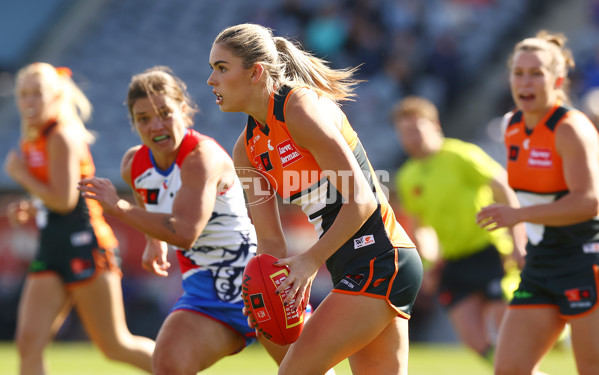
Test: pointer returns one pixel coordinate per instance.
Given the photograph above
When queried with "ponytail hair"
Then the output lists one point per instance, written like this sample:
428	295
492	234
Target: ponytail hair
73	107
285	63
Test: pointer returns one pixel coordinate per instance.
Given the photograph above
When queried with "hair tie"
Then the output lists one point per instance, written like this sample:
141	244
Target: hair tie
63	71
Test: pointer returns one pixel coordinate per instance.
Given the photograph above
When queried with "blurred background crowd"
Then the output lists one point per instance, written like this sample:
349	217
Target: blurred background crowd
452	52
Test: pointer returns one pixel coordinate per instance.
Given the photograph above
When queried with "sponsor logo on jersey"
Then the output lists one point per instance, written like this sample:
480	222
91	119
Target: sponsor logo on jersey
592	247
288	153
142	177
81	238
363	241
540	158
36	158
511	132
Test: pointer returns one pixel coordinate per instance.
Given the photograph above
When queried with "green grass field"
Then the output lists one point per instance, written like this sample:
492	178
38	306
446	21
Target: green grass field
425	359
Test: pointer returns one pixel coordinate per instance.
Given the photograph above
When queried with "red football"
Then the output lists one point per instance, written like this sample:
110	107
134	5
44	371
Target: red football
273	320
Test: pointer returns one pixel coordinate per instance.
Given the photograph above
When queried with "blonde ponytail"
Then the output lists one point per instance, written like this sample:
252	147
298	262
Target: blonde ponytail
285	63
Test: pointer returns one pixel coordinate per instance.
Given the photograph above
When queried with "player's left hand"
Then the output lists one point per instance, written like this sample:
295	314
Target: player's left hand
302	271
497	216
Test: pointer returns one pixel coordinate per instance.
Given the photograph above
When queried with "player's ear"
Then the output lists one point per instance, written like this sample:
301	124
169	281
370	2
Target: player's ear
257	72
559	82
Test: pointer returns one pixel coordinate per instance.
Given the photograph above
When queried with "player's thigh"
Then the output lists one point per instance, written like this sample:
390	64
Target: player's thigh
99	303
585	342
525	335
194	338
42	308
277	352
340	326
386	354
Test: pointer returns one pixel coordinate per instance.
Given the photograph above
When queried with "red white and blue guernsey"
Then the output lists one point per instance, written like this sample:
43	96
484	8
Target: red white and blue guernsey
212	269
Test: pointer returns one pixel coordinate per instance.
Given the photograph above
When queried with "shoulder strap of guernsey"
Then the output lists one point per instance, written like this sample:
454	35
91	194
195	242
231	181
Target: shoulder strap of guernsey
559	113
516	118
251	125
137	162
279	103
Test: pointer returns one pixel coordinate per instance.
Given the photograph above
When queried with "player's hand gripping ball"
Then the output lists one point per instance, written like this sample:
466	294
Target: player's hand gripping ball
273	320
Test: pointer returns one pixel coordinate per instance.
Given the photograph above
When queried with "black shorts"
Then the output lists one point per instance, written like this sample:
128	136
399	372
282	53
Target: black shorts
574	293
73	254
480	273
394	275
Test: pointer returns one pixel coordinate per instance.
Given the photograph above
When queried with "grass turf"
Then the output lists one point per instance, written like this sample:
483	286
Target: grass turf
81	358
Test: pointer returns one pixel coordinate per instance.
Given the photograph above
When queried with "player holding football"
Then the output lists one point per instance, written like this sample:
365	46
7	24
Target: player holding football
303	145
188	196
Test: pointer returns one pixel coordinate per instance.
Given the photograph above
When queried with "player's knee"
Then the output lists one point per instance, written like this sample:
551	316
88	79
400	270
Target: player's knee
113	352
170	364
28	341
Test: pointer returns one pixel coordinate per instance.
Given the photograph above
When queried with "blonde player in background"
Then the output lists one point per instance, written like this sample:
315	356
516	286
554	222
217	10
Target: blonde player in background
76	263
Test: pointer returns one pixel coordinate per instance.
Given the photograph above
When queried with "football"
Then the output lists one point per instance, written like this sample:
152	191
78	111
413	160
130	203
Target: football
273	320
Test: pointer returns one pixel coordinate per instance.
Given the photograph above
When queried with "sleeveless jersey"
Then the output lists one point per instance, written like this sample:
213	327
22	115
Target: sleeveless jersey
293	172
535	172
228	240
88	212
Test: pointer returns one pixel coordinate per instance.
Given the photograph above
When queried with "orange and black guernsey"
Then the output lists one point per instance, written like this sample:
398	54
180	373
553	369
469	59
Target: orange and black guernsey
293	172
87	213
535	172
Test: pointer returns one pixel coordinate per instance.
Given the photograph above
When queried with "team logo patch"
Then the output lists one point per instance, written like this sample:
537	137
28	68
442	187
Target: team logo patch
260	311
514	151
265	160
79	266
352	281
579	297
149	196
363	241
288	153
540	158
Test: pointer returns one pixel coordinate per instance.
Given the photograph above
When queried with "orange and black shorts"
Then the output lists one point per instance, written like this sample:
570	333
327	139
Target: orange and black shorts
574	293
73	254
